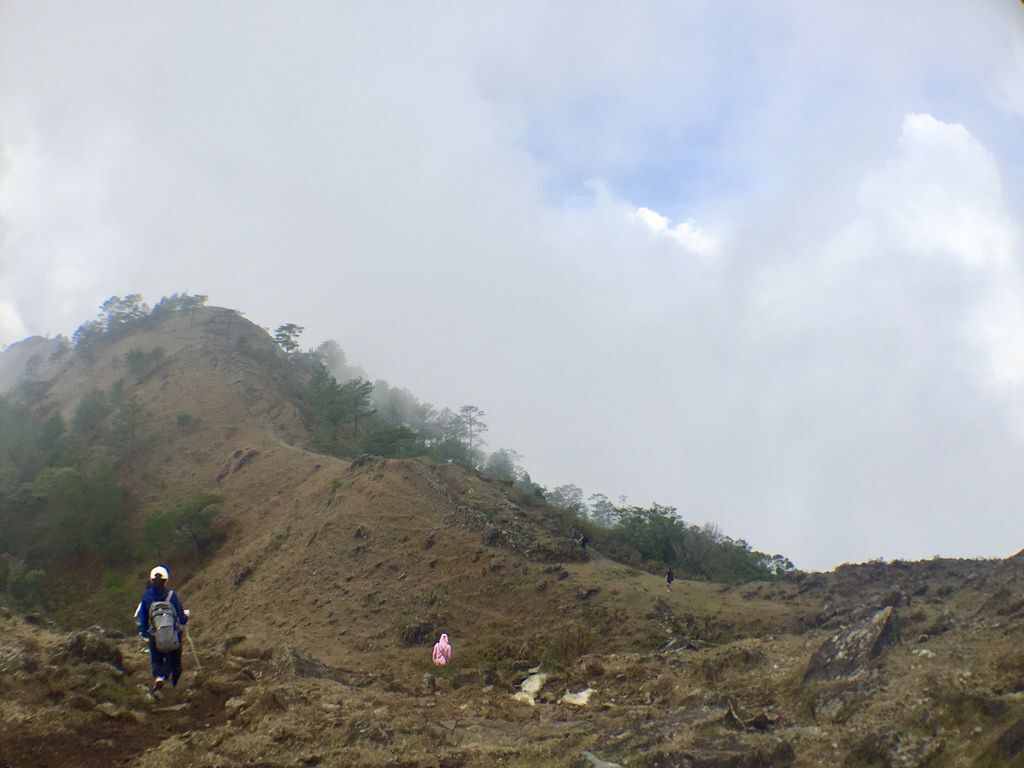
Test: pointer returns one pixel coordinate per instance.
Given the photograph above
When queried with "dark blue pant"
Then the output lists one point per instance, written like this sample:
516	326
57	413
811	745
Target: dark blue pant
166	665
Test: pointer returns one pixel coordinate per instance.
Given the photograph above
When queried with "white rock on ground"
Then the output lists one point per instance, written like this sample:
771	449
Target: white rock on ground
580	699
530	687
597	762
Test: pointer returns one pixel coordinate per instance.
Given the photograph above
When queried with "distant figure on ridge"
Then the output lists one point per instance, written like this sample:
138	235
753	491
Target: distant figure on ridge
160	618
584	540
442	651
669	578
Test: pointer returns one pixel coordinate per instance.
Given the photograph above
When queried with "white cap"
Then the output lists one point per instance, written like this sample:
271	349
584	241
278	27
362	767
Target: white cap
161	572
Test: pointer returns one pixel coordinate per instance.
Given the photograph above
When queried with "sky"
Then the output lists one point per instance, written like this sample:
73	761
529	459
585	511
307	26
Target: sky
762	262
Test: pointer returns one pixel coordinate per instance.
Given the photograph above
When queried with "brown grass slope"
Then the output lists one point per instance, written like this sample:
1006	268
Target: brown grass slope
315	618
353	562
214	367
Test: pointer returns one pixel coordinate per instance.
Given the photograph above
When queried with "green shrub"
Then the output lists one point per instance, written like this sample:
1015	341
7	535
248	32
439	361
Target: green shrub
27	588
82	515
139	362
398	442
128	429
106	604
91	411
29	440
187	531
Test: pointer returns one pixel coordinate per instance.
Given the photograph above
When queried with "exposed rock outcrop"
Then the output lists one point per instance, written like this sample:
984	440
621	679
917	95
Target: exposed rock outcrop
850	650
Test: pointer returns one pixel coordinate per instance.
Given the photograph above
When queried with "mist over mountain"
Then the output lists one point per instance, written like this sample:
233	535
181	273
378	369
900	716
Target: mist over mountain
667	357
331	407
760	264
319	574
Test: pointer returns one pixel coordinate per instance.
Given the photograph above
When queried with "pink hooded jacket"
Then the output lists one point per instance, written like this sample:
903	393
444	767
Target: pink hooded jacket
442	651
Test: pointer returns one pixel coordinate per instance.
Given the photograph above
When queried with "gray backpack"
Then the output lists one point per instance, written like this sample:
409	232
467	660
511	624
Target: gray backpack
163	625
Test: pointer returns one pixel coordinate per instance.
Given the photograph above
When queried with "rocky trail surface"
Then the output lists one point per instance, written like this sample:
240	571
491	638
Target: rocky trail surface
927	671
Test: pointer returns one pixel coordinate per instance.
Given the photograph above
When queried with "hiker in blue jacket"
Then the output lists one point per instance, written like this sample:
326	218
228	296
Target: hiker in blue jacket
160	618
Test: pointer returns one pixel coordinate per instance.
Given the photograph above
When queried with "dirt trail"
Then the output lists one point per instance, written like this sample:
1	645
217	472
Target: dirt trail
114	735
121	740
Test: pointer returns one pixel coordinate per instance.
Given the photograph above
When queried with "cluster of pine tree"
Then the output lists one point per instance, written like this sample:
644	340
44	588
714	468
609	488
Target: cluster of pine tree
659	535
119	317
63	510
356	416
347	413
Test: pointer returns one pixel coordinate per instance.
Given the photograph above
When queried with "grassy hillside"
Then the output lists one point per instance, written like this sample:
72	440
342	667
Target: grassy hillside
314	617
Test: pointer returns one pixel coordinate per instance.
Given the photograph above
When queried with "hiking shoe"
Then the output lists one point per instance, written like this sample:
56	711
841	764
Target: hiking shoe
158	684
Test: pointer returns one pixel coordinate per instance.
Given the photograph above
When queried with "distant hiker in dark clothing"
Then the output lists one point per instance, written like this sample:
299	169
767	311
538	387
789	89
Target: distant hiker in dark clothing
160	618
584	540
669	578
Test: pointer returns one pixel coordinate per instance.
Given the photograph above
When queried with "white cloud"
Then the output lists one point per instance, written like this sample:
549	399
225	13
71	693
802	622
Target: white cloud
941	194
942	197
891	350
11	326
834	388
686	233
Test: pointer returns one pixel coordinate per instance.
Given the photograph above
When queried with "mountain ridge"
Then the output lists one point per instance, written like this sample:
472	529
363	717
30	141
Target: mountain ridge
314	619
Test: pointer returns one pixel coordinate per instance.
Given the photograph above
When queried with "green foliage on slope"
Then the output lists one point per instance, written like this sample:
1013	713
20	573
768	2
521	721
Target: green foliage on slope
185	532
141	362
120	316
346	415
63	509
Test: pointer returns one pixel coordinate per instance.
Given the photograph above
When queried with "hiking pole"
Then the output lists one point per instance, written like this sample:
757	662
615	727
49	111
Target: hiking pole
192	647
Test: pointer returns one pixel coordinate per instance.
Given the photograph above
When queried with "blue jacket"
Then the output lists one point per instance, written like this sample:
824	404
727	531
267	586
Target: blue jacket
150	596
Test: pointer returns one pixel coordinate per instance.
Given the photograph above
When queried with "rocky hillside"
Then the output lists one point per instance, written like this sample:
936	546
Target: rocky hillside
313	622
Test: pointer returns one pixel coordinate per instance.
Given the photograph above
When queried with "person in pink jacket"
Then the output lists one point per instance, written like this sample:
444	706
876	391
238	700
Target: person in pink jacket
442	651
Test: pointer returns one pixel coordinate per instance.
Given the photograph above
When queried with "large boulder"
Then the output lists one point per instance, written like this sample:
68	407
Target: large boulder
850	650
